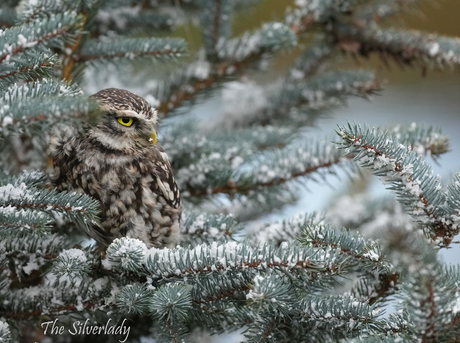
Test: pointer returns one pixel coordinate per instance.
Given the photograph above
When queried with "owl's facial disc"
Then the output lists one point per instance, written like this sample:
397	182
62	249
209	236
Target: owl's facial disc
127	121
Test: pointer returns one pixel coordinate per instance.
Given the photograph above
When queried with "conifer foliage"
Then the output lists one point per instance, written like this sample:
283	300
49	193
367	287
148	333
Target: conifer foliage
310	278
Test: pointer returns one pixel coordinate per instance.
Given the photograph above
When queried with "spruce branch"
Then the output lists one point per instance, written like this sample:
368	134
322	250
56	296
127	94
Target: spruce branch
134	20
410	177
75	207
130	48
275	168
5	333
361	250
7	17
406	47
287	230
216	19
427	140
341	315
14	223
72	264
67	298
179	263
134	298
170	304
199	228
27	67
238	53
53	32
29	113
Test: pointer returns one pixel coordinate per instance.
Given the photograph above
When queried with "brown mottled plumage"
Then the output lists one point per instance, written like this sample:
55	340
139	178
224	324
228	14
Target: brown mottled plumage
121	167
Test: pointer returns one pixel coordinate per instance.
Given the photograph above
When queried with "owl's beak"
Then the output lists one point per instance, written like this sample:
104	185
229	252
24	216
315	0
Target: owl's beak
153	137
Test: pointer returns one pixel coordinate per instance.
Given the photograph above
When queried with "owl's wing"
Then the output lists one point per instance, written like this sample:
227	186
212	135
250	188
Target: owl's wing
165	179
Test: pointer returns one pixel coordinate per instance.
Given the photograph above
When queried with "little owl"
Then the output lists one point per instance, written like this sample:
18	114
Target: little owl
120	163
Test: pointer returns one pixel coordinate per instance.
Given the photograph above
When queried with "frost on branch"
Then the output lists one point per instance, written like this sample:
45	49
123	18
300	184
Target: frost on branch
409	176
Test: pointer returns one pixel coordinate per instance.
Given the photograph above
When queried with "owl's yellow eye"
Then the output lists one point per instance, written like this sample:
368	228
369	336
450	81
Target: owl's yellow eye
125	121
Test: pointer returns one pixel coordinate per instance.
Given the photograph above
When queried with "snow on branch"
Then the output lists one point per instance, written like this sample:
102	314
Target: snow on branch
406	47
430	294
236	54
199	228
311	59
133	19
379	10
275	168
27	67
216	20
341	314
76	207
359	249
179	263
52	32
132	48
23	114
16	223
270	38
286	231
5	333
425	140
170	305
410	177
67	298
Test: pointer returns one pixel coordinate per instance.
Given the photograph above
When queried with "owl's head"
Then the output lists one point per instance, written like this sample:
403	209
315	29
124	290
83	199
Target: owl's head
128	121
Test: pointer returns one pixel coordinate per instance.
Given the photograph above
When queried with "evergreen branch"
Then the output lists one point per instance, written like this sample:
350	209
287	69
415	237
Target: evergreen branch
251	105
377	288
53	32
361	250
170	264
5	333
405	47
310	60
286	231
15	223
322	11
239	53
317	93
187	145
39	89
31	112
273	294
7	17
262	330
276	168
207	228
422	139
130	48
133	19
76	207
206	290
31	178
411	178
47	247
27	67
134	298
429	290
344	315
72	264
380	10
216	19
255	204
32	10
74	297
170	304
